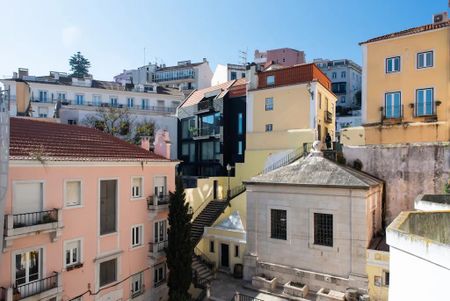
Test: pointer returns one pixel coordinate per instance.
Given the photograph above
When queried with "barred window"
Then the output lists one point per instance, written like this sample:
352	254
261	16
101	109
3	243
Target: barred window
278	224
323	229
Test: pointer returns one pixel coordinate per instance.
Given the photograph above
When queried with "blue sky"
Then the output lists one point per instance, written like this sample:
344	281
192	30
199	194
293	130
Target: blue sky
42	35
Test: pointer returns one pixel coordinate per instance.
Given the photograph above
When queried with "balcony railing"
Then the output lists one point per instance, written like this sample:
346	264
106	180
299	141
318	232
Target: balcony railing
156	202
171	78
158	247
35	287
34	218
206	131
205	105
328	116
427	109
392	112
159	282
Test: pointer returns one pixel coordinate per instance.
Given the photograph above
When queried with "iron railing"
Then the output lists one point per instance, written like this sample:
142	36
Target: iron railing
157	109
159	282
157	200
204	259
392	112
159	246
35	218
289	158
430	110
36	287
242	297
206	131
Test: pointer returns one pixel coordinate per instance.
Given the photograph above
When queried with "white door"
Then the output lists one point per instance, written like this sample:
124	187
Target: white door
28	197
28	269
160	186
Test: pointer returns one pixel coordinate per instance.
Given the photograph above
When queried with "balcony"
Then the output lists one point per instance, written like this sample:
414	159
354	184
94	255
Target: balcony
157	249
158	202
25	224
391	114
95	104
205	132
205	106
426	110
43	100
328	117
44	288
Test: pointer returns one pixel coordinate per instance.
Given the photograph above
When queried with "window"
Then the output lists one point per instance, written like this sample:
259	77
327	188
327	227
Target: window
43	112
342	99
72	252
187	127
319	100
144	103
130	102
424	102
28	267
278	224
136	236
393	64
175	104
392	105
236	251
61	96
113	101
233	75
343	74
425	59
72	121
210	151
137	284
243	74
340	87
386	278
269	127
136	187
161	103
160	231
270	80
240	124
323	229
334	75
97	100
159	274
269	104
188	152
79	98
108	272
43	96
73	193
211	246
108	210
240	148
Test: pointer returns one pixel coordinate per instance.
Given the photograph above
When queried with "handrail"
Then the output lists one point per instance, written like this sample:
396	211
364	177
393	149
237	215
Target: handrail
37	286
201	206
242	297
35	218
204	258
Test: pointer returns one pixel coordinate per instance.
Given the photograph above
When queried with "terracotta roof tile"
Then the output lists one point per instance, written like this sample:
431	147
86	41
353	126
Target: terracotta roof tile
409	31
53	141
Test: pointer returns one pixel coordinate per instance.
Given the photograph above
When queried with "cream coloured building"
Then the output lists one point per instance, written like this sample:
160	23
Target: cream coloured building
311	222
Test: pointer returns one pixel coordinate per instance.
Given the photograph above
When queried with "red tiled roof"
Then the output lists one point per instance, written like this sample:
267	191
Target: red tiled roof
196	96
409	31
294	75
30	139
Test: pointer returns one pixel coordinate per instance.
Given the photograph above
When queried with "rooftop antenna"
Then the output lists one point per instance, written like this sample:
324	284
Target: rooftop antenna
243	57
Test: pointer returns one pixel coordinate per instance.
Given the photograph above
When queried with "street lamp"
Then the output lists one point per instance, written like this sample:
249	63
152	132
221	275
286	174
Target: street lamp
228	190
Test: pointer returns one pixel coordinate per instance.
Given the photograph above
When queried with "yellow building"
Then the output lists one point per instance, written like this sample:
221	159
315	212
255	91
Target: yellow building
405	87
377	268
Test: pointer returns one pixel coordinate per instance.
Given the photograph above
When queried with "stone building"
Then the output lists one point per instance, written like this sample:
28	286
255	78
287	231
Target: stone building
311	222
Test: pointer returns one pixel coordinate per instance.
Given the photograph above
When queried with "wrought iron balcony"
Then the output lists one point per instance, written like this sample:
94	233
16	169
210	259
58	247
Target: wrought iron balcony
392	113
206	132
45	287
157	249
328	117
158	202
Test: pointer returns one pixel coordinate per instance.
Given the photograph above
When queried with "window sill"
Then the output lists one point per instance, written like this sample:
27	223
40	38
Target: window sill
137	247
108	234
323	248
74	267
73	207
137	198
137	294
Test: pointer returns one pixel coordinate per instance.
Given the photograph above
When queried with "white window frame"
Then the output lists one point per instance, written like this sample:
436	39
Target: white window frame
117	207
97	276
139	278
267	126
424	59
393	58
343	74
268	104
65	194
96	99
79	253
416	106
141	195
270	80
82	98
164	279
130	102
140	236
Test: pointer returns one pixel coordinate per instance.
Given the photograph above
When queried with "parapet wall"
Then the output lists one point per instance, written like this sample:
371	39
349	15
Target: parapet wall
407	169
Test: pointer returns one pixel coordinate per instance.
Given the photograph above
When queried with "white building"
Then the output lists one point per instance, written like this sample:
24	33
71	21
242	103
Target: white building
73	99
419	256
4	155
225	73
184	76
311	222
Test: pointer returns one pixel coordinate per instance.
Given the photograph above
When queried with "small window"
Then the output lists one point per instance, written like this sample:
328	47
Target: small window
269	104
393	64
113	101
240	148
240	124
334	75
236	251
233	75
270	80
269	127
161	103
72	252
386	277
211	246
43	112
343	74
136	236
159	274
136	187
243	74
137	284
425	59
130	102
73	193
108	272
342	99
72	121
323	229
278	224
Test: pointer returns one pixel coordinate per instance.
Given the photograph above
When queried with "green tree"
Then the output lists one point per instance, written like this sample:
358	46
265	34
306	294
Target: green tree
180	248
141	129
114	121
79	65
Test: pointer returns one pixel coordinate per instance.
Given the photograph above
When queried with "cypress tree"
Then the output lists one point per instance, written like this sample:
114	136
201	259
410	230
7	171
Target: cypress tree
179	250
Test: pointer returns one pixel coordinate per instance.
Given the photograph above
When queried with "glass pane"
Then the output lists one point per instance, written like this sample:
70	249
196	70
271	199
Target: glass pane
34	266
429	101
20	268
420	102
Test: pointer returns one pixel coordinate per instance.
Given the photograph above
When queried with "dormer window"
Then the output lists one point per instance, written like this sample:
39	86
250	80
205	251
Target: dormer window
270	80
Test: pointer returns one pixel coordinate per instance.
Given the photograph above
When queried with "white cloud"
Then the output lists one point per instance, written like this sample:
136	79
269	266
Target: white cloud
70	35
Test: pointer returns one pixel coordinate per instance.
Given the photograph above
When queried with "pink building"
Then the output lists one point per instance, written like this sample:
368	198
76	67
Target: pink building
85	216
282	56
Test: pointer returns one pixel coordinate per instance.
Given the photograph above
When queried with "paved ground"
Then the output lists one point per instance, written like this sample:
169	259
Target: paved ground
225	286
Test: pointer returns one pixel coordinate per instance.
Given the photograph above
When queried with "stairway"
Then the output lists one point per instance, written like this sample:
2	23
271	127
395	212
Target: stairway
206	218
202	271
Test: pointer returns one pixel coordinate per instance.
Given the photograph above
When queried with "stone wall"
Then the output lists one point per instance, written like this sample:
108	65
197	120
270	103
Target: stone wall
407	169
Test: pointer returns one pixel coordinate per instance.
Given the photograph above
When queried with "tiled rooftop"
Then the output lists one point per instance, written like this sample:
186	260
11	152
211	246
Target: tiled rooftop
32	139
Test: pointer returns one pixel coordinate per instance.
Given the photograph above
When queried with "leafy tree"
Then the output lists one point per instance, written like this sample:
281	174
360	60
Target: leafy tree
180	248
114	121
79	65
145	128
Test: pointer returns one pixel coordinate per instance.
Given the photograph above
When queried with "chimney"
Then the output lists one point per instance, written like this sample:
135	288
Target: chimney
162	143
23	72
145	143
205	60
252	75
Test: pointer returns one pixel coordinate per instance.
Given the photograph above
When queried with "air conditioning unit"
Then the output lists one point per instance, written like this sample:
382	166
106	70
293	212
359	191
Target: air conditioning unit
441	17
